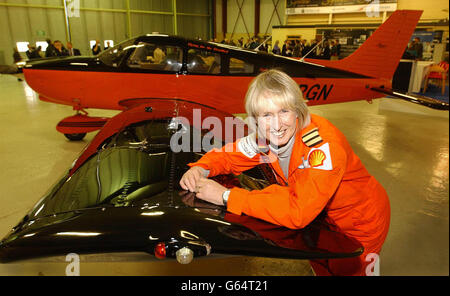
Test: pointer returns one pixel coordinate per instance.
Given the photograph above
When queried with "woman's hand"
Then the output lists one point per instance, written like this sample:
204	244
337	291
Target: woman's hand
191	177
210	191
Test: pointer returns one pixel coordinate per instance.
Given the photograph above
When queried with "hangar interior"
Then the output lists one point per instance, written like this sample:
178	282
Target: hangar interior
405	146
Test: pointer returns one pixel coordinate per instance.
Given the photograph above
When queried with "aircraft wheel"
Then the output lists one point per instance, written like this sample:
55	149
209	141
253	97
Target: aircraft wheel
75	137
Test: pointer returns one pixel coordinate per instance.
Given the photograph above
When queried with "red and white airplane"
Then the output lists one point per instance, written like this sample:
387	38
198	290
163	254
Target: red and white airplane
216	75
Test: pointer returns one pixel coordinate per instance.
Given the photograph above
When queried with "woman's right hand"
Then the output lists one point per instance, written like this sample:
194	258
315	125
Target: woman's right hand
191	177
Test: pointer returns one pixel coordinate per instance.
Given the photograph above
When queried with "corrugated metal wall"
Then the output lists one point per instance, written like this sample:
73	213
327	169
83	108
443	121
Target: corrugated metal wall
117	20
241	18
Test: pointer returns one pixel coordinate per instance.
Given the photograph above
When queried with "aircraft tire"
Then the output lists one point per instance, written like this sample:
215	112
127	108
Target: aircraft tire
75	137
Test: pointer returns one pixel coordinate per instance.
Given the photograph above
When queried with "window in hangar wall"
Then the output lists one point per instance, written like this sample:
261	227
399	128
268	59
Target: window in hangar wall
22	46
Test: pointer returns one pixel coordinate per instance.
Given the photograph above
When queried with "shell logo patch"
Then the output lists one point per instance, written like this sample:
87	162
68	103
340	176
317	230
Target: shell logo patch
316	158
319	158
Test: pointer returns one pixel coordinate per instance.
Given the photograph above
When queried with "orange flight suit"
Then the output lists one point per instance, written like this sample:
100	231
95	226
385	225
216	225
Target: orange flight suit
324	174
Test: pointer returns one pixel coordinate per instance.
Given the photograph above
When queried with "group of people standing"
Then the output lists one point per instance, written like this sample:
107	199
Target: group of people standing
55	49
329	50
301	48
252	43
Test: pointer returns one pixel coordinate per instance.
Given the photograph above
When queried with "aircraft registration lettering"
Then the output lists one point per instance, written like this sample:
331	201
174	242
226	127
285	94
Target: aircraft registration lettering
209	48
220	50
316	92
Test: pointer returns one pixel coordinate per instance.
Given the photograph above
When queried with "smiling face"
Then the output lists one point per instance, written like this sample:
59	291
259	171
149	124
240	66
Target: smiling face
277	123
276	102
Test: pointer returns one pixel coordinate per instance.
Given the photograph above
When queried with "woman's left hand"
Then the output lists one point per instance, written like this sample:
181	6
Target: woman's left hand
210	191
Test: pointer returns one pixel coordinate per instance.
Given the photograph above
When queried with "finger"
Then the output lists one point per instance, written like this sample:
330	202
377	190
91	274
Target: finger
182	184
196	174
190	184
187	181
193	182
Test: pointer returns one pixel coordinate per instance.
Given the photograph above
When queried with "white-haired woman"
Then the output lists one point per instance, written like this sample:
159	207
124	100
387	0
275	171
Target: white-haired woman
316	170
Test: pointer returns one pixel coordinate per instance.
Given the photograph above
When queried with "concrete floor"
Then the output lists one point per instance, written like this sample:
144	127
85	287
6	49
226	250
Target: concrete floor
405	146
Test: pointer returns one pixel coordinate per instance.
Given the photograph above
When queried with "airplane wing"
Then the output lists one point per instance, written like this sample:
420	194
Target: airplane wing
415	98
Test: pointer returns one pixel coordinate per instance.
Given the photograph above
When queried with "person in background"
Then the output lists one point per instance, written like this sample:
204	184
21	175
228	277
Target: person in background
276	48
288	52
50	50
60	50
255	42
241	42
410	52
284	48
17	58
333	51
417	47
313	53
108	45
16	55
338	48
297	51
158	56
96	49
305	47
325	53
38	52
29	51
247	44
72	51
33	52
316	169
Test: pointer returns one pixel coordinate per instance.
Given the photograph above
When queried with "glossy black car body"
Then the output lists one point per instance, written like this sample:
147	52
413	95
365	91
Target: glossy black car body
123	195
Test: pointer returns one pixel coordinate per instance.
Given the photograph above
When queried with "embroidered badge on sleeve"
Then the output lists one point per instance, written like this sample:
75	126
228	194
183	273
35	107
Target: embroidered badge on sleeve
247	146
320	158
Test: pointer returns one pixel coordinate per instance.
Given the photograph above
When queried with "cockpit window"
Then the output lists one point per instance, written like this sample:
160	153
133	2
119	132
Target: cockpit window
238	66
202	61
114	55
156	57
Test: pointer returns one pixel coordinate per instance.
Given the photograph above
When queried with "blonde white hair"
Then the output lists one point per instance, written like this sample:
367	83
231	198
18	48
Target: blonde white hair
281	89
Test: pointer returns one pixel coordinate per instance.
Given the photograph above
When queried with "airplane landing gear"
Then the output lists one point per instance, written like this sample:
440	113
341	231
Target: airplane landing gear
75	127
75	137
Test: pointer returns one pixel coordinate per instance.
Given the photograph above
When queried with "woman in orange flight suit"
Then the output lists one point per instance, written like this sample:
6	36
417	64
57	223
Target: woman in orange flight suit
315	166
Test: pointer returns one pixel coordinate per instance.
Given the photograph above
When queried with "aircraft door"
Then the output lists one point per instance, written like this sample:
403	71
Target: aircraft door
149	70
203	80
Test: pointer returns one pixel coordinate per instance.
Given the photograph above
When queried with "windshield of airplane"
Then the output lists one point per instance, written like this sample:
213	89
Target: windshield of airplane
113	56
159	57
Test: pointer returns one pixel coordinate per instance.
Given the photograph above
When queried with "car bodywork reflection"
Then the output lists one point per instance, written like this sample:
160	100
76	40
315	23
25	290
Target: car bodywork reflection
123	195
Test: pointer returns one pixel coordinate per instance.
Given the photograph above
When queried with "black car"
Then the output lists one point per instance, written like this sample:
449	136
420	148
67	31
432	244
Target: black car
123	195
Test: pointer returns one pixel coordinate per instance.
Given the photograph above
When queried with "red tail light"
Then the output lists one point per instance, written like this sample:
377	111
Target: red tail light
160	251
